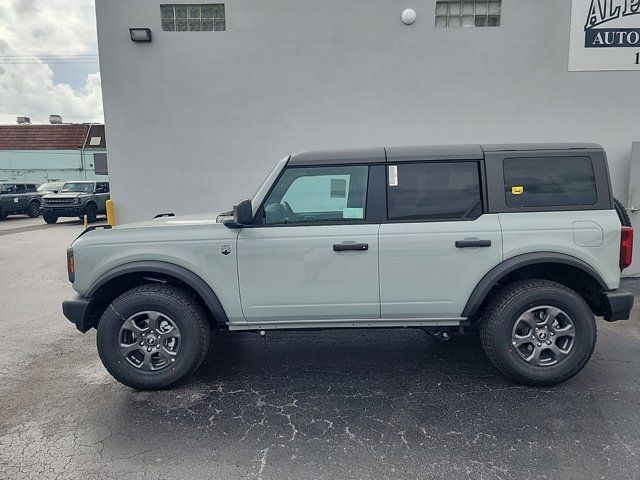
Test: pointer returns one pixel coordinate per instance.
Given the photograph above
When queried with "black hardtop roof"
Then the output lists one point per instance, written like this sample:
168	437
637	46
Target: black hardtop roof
423	152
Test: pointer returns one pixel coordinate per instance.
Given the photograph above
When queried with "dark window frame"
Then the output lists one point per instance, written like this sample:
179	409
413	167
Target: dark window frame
496	199
481	184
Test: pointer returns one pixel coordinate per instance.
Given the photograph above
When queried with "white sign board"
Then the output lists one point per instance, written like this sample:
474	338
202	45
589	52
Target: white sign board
605	35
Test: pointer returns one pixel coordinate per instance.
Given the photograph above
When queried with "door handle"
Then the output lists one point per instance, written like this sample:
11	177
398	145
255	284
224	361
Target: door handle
341	247
472	243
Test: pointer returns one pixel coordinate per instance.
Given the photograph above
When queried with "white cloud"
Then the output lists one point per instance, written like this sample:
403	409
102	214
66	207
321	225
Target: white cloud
30	29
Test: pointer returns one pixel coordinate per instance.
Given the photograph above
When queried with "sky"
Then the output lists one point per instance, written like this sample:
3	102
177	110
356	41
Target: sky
49	61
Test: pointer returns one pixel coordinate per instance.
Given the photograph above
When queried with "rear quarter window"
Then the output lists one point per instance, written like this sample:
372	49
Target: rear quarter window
549	181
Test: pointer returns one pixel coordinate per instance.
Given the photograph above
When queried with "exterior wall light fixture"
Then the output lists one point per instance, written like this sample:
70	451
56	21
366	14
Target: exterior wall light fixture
409	16
140	34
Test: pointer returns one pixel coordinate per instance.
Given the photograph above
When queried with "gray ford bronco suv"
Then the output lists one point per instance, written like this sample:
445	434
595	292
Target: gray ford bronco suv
519	241
76	199
17	198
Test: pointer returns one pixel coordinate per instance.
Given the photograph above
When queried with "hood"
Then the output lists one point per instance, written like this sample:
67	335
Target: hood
64	195
177	221
164	229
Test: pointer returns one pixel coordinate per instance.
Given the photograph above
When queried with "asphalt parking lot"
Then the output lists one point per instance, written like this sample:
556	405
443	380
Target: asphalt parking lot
335	404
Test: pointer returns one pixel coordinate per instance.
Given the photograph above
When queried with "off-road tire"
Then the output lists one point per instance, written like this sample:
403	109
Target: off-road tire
34	209
91	212
2	215
506	306
47	217
183	309
625	221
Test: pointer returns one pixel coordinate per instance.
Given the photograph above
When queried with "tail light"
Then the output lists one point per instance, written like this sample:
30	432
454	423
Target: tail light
71	265
626	247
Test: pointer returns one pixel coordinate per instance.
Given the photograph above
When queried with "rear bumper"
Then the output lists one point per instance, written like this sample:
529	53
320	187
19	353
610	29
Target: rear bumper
617	305
78	312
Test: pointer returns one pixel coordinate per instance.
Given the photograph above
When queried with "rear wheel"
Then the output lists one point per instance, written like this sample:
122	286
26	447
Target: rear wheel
153	336
49	218
34	209
538	332
2	215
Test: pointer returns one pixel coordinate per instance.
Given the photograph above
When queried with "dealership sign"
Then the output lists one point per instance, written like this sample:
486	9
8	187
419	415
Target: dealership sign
605	35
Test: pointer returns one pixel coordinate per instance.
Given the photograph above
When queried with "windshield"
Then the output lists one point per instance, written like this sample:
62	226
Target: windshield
48	187
78	187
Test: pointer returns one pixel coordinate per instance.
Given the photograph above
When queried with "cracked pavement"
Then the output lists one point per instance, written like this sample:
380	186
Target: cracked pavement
335	404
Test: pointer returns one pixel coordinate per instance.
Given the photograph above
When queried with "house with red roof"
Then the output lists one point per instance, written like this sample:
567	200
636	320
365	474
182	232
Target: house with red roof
57	152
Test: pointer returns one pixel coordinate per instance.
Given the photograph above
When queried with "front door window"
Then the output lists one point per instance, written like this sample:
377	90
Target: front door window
312	195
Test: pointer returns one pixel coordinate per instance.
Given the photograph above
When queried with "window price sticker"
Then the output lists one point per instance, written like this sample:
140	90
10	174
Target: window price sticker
393	175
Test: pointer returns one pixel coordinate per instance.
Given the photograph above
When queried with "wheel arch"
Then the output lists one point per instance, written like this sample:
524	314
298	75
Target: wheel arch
565	269
124	277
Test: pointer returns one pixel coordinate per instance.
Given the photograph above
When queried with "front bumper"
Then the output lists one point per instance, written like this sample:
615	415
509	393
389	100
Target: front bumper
66	211
617	305
78	311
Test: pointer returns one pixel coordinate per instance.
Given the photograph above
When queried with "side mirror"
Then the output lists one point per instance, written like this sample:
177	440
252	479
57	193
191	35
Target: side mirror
242	213
55	191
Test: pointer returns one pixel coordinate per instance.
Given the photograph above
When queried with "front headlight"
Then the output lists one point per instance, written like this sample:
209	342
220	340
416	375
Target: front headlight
76	201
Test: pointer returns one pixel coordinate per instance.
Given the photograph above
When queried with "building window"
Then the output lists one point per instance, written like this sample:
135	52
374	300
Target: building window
206	17
455	13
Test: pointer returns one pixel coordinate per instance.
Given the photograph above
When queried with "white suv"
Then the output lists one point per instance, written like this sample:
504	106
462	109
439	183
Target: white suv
522	241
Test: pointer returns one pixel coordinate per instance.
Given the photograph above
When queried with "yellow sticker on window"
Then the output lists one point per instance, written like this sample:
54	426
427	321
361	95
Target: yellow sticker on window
517	190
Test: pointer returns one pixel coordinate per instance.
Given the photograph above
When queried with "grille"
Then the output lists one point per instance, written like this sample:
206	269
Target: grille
59	200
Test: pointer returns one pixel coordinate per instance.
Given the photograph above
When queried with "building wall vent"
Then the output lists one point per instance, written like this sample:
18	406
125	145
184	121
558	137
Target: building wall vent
95	141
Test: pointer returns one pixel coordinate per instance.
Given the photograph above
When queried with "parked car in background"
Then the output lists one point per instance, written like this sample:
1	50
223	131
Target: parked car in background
50	187
19	198
76	199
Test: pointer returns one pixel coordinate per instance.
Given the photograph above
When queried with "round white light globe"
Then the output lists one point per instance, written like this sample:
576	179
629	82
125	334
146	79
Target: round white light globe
409	16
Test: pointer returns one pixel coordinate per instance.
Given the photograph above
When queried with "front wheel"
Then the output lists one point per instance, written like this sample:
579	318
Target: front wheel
49	218
92	213
153	336
538	332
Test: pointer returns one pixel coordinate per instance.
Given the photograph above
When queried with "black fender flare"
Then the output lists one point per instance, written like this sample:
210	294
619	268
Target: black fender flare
512	264
201	287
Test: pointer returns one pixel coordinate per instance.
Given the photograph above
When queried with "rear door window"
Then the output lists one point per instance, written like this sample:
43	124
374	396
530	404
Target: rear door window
20	188
433	191
31	188
549	181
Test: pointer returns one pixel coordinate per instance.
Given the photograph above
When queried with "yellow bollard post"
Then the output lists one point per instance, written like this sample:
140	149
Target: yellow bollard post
111	213
85	221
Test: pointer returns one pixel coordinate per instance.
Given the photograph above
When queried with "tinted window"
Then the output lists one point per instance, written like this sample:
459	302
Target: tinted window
31	188
549	181
318	194
434	191
78	187
20	188
8	188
